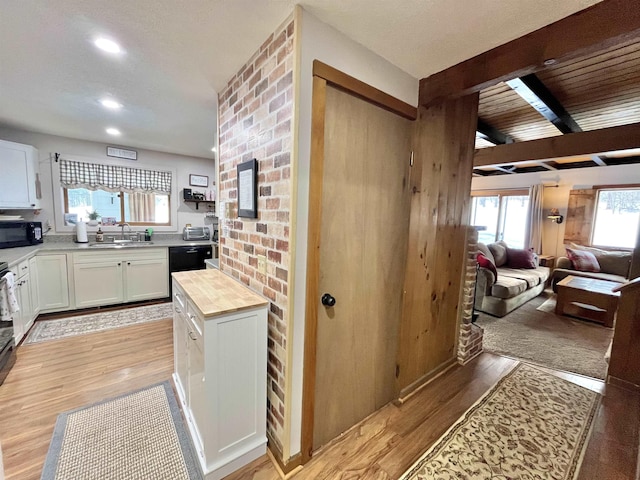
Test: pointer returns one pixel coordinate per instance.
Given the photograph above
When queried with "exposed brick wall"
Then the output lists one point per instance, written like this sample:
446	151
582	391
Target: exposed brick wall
256	121
470	339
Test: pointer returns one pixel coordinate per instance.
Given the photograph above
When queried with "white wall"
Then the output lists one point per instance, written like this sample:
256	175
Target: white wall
321	42
566	180
47	145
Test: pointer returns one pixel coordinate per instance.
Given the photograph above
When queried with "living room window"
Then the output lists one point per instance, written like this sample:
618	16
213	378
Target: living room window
617	217
503	214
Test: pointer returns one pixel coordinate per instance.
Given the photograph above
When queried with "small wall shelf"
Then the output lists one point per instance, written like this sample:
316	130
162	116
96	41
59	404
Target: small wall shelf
197	202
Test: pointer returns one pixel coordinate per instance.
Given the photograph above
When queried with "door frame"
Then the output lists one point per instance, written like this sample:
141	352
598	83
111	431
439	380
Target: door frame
324	75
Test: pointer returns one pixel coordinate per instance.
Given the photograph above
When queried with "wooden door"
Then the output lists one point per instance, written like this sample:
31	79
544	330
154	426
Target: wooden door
363	241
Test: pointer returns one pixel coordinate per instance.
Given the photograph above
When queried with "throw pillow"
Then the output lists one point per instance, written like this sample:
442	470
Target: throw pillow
483	249
499	252
517	258
484	262
616	262
583	260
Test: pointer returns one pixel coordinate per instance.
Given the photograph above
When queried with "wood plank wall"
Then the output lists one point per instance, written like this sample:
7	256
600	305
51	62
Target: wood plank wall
580	213
440	184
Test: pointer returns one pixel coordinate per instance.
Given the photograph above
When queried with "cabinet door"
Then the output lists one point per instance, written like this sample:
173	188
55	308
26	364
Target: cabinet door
146	279
17	182
180	336
98	284
52	282
18	322
22	319
197	394
34	288
26	303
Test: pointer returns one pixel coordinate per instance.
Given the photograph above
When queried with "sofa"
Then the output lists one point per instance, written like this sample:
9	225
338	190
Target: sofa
513	285
612	265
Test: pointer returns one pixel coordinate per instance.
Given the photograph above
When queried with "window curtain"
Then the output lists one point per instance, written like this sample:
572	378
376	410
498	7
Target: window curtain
113	178
142	207
533	235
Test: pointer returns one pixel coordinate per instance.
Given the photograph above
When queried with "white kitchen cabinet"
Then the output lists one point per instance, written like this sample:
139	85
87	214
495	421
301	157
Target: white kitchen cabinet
23	319
52	282
180	345
146	279
34	288
19	166
98	283
108	278
223	390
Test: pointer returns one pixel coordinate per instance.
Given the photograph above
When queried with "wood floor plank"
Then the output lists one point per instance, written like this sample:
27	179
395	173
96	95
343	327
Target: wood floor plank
56	376
52	377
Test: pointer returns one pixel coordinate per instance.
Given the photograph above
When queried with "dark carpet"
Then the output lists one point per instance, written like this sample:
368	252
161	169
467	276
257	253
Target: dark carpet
547	339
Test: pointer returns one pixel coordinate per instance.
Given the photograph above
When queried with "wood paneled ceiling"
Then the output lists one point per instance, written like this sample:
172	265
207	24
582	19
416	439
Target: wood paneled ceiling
597	91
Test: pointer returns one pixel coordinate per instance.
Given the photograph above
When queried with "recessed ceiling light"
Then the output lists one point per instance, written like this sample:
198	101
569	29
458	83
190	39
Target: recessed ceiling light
111	104
550	61
107	45
113	131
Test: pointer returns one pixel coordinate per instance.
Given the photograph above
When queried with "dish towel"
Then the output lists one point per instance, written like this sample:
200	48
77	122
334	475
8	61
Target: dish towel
8	301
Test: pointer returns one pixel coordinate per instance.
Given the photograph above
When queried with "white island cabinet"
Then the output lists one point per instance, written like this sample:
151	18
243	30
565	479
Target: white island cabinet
220	350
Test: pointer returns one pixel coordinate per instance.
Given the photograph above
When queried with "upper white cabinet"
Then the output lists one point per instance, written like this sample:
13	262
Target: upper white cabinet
19	166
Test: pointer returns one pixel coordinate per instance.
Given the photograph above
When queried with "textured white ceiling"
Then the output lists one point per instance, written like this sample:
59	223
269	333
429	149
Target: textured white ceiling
177	53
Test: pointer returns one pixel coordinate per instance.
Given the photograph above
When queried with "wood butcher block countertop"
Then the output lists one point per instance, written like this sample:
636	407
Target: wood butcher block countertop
215	293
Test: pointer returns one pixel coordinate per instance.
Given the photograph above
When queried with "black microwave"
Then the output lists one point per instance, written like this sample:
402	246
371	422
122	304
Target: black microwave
20	234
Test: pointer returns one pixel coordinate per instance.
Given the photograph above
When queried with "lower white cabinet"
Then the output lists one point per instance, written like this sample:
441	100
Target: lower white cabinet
180	345
24	318
220	349
124	276
52	282
34	288
98	283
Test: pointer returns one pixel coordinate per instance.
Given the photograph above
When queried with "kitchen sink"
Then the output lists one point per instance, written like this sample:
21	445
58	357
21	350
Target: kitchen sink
119	244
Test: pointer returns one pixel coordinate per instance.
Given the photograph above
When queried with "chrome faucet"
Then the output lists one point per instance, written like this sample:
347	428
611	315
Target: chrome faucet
122	225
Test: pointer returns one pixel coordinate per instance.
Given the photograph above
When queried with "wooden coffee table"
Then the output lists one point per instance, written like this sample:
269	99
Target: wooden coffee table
594	298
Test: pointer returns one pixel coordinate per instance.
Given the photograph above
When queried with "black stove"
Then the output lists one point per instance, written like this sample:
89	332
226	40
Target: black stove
7	345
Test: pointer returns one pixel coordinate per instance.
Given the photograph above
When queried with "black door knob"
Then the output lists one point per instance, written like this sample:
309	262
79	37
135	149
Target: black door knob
327	300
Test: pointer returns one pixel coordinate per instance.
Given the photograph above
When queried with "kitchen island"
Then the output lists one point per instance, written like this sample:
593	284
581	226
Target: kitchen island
220	369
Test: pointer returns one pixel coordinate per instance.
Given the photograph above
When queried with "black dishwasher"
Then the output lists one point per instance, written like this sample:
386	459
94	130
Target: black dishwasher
182	259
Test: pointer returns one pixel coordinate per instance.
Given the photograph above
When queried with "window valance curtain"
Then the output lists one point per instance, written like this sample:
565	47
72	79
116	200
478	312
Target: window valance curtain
113	178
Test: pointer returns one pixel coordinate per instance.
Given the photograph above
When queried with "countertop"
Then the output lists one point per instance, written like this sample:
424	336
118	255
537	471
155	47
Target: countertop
214	293
18	254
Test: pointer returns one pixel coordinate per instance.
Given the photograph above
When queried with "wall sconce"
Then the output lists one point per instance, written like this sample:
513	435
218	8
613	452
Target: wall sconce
554	216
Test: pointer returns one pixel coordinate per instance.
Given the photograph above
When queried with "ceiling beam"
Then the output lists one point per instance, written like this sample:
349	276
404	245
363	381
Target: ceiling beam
491	134
506	170
609	139
593	29
546	165
536	94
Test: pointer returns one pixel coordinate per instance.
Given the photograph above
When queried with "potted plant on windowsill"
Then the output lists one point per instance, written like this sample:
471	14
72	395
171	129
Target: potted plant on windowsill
93	218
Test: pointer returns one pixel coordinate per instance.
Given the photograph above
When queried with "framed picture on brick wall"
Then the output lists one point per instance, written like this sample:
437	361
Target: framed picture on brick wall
248	189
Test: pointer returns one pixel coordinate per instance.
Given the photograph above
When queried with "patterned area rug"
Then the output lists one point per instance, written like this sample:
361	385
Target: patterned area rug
45	330
531	425
139	435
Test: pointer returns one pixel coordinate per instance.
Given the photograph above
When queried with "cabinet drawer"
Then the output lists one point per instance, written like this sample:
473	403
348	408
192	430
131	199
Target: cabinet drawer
194	317
179	298
23	268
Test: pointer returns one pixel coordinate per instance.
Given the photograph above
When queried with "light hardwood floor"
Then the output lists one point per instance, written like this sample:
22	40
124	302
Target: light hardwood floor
54	377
